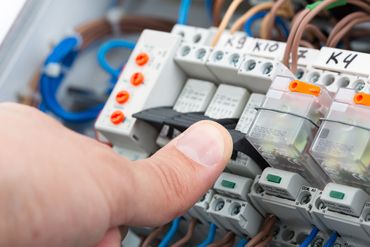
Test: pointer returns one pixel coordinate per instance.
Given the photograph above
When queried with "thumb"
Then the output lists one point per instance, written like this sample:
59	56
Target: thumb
173	179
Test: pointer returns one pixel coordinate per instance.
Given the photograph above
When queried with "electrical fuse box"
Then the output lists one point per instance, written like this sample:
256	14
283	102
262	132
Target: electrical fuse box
342	144
233	186
228	102
286	124
235	215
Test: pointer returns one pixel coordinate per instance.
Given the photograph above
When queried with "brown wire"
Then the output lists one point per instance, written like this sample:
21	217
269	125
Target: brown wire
152	236
297	33
342	23
217	11
266	242
306	44
188	235
296	22
225	240
301	29
265	231
346	30
316	32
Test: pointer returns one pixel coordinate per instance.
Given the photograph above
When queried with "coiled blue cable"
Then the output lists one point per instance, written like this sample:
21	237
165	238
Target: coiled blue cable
105	48
184	12
171	233
331	240
242	243
62	56
210	237
310	237
259	15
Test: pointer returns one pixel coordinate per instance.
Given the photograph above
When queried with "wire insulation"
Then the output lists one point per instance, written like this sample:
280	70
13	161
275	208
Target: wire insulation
171	233
210	237
310	237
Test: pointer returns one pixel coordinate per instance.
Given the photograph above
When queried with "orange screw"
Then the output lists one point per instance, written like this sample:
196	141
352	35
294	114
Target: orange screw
142	59
117	117
137	79
362	99
122	97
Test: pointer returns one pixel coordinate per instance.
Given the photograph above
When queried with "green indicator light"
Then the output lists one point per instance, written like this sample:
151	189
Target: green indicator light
336	194
273	178
228	184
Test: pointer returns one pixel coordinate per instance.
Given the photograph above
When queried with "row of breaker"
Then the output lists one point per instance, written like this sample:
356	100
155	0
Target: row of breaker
242	78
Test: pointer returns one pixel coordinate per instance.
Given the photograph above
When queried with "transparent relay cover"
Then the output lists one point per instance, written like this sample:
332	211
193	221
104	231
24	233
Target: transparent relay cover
342	145
283	132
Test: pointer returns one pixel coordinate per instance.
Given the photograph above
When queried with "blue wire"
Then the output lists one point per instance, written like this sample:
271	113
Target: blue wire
310	237
242	243
331	240
105	48
63	54
259	15
209	8
210	237
184	12
171	233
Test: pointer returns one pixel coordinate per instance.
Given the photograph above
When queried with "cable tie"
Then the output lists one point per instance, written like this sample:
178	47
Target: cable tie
53	70
114	17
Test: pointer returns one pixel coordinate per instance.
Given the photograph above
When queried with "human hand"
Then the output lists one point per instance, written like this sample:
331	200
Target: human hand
58	188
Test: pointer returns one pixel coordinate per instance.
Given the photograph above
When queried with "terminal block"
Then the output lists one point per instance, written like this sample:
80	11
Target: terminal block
243	165
199	210
233	186
281	183
225	64
342	144
275	199
235	215
192	58
343	217
286	124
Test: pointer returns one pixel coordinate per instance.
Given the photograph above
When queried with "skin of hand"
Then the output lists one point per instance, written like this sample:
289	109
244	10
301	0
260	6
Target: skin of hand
59	188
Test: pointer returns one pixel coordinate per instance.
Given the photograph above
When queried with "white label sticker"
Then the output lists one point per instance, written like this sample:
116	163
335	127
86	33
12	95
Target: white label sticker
266	48
343	61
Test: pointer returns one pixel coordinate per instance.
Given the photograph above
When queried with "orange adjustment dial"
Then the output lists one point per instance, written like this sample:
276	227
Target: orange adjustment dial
142	59
303	87
362	99
137	79
117	117
122	97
